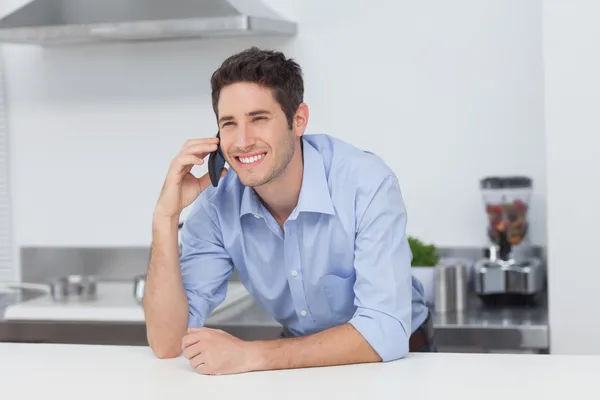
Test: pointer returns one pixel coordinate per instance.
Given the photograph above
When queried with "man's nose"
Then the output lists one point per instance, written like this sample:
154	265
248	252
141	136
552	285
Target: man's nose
245	139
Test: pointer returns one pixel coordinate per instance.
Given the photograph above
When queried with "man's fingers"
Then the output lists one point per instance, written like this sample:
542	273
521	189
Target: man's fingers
198	361
204	369
188	159
193	153
193	351
200	141
201	149
194	336
189	340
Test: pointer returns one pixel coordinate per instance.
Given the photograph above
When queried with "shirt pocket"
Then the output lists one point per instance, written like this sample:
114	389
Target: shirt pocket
339	293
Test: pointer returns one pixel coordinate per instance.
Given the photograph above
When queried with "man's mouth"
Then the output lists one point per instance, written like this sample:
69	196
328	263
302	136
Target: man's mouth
251	160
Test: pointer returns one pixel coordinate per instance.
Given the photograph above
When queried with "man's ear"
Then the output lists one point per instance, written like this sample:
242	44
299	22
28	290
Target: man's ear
300	119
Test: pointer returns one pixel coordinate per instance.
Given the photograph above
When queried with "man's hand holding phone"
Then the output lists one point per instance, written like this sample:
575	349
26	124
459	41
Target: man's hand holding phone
181	187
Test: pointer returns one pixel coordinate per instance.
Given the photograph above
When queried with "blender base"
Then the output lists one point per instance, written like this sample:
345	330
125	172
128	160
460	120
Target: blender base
510	300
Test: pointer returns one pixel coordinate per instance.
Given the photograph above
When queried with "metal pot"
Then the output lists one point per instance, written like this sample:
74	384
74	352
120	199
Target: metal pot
74	287
139	284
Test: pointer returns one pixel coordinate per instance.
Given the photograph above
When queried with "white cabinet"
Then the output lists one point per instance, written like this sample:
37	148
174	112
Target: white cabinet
8	269
572	106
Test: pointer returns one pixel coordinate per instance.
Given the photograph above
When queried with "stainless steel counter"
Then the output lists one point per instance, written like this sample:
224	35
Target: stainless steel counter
477	329
495	329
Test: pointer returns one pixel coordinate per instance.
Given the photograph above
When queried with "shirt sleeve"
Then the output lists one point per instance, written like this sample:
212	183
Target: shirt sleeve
383	288
205	264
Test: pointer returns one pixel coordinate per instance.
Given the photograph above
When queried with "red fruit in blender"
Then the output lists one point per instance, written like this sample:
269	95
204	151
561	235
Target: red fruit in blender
520	205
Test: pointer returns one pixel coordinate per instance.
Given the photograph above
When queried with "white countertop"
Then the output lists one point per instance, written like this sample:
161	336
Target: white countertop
35	371
115	302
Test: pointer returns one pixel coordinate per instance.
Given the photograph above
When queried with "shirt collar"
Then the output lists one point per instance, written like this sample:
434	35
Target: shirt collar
250	202
314	193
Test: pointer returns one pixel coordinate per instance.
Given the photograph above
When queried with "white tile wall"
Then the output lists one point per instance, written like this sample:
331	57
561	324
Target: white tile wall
446	92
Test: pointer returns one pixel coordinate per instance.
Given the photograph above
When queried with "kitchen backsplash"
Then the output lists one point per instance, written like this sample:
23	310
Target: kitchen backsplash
39	264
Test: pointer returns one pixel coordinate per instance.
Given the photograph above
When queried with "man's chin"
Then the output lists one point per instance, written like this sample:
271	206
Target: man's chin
252	181
253	178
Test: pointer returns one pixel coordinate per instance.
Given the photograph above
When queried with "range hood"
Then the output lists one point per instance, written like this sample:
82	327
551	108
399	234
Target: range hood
60	22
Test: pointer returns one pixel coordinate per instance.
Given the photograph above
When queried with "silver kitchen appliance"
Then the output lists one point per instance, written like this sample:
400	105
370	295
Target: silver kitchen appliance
139	285
68	22
451	287
510	274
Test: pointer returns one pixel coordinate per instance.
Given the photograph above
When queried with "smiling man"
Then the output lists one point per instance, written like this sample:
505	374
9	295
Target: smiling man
315	227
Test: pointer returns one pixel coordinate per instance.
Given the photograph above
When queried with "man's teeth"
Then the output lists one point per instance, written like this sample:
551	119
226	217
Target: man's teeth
248	160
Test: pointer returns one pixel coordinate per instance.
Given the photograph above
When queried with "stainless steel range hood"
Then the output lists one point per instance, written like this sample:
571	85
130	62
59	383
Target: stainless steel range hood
60	22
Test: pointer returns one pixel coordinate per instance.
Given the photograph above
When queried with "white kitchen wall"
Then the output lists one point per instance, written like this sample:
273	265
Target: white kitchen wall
446	92
572	97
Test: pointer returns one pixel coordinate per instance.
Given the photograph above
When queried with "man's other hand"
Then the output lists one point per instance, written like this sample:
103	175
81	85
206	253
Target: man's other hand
215	352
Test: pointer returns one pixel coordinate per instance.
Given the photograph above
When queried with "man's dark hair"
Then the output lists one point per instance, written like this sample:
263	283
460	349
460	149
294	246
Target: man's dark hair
265	67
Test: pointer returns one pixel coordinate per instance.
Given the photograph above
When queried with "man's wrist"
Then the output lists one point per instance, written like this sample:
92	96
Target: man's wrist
258	355
165	238
161	220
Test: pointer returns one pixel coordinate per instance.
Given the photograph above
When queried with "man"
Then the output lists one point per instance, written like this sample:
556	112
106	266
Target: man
314	226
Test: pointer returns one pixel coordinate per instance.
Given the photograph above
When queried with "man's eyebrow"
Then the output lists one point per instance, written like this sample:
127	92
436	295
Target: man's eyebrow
257	112
226	118
254	113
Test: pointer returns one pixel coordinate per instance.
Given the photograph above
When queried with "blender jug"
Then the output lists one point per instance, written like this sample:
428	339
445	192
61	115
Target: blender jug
506	204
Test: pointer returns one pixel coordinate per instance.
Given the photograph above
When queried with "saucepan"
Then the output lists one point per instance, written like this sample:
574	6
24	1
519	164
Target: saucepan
74	287
70	287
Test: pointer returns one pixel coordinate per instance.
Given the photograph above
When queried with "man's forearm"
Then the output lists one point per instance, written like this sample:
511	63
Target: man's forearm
165	302
335	346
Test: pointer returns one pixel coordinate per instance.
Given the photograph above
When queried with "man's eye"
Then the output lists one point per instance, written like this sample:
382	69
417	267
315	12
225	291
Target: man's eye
258	118
227	123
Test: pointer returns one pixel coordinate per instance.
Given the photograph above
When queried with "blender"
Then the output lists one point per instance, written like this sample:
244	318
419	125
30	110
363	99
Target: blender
510	274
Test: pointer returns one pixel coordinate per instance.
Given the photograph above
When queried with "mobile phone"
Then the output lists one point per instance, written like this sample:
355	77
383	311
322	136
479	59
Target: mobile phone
216	162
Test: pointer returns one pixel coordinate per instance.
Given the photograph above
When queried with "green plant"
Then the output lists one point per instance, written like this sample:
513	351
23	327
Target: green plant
424	255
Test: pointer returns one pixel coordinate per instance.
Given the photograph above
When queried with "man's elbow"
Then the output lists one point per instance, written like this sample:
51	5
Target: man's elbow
391	345
165	349
168	344
387	336
165	354
394	349
164	346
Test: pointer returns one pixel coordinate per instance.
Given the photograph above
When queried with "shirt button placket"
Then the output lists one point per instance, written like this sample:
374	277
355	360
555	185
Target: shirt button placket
292	259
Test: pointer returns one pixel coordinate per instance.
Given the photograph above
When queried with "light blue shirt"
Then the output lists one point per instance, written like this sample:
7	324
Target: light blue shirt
342	257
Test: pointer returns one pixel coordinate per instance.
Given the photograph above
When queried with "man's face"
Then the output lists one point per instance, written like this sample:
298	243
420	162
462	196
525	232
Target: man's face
255	137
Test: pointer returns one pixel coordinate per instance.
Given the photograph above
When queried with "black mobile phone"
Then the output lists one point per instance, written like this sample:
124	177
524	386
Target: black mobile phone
216	162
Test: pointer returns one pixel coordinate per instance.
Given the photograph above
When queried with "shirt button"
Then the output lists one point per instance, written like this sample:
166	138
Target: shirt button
256	216
294	273
303	313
